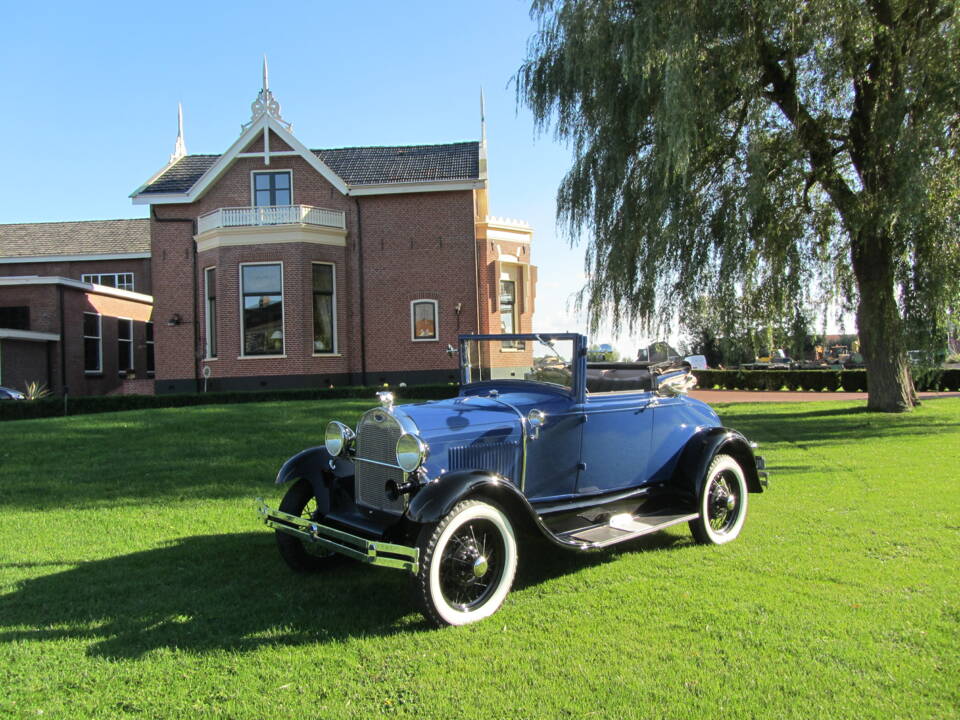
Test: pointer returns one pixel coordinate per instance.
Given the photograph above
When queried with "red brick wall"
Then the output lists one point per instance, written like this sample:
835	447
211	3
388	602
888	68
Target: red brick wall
22	362
75	269
44	303
415	246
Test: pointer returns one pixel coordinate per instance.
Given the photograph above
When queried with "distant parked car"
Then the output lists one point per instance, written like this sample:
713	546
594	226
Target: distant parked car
10	394
585	455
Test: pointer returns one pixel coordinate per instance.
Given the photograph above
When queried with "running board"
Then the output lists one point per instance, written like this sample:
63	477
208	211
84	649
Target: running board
624	527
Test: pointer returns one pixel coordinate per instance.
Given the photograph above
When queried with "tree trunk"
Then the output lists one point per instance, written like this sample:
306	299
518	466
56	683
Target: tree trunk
890	387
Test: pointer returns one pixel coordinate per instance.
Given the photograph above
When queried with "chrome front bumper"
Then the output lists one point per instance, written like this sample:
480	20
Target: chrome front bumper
373	552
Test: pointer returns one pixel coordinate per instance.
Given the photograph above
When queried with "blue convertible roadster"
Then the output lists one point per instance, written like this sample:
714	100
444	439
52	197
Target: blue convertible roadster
537	442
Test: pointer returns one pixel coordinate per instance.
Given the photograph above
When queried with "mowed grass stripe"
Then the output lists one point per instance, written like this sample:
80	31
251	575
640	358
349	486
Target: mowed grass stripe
135	581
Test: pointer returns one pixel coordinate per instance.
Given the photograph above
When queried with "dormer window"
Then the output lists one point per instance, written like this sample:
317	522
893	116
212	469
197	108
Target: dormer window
272	188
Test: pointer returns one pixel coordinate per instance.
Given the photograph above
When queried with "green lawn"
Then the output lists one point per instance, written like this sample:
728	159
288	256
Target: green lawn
135	581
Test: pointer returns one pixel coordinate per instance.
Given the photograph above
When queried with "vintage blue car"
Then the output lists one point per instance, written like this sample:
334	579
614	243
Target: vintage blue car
537	442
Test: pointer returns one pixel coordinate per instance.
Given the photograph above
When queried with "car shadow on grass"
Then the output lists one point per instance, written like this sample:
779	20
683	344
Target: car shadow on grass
231	592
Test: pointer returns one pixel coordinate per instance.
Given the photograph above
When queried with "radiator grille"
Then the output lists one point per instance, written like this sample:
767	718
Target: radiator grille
377	437
500	457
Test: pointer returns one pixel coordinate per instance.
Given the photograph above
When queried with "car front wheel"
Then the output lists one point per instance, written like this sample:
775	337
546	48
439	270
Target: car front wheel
723	503
467	564
299	501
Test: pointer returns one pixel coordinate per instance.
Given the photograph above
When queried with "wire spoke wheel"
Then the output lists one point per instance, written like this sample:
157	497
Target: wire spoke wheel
300	501
723	503
472	564
467	564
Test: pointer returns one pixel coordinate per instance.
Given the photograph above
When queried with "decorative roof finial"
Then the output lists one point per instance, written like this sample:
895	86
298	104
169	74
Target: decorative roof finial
180	148
266	103
483	121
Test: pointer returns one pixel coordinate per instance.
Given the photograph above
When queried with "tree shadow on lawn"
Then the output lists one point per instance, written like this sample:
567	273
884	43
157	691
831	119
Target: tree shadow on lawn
232	592
833	424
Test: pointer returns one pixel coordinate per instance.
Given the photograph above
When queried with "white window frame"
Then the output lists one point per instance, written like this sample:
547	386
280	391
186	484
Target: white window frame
436	320
283	311
150	345
88	277
209	319
333	276
99	338
122	372
253	185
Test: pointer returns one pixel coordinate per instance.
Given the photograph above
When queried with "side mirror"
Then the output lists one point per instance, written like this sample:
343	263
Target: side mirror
535	421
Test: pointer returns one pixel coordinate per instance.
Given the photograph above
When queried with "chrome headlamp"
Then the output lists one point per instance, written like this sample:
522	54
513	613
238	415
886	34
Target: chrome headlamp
337	437
411	452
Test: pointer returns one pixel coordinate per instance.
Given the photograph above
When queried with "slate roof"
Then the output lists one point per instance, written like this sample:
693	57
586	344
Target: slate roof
92	237
356	166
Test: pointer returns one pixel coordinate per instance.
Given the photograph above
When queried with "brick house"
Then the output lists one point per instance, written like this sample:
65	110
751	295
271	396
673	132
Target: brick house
75	312
275	265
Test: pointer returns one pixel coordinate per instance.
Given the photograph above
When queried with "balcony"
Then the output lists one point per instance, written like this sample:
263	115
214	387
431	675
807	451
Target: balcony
270	224
270	215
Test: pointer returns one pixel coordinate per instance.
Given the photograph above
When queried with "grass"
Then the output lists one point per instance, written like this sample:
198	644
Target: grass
135	582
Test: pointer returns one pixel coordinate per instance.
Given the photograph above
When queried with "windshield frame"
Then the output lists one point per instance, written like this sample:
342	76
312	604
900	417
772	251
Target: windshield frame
578	387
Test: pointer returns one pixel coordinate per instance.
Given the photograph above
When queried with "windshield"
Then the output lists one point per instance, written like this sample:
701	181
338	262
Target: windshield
547	361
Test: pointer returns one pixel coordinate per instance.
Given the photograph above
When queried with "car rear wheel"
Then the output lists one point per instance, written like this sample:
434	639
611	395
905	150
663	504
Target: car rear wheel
299	501
723	503
467	564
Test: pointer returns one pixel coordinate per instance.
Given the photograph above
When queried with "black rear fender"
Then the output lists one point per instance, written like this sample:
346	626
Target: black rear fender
703	447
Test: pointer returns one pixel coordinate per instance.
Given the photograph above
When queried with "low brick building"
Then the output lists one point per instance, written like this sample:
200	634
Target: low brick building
276	265
75	313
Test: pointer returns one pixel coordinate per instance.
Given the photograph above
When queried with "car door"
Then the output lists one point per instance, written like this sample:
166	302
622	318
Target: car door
615	443
553	457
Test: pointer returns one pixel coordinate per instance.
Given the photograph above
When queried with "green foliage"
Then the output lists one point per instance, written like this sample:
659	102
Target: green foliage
596	354
812	380
760	158
34	390
82	405
136	582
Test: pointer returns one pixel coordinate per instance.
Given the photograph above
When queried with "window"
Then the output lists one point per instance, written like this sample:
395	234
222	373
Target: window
92	343
271	188
148	338
324	322
262	297
509	322
210	278
124	345
15	318
423	320
121	281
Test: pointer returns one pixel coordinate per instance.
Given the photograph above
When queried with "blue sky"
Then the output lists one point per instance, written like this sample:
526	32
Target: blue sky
92	92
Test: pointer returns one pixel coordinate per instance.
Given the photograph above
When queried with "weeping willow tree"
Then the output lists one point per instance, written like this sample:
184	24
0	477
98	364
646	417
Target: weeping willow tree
760	155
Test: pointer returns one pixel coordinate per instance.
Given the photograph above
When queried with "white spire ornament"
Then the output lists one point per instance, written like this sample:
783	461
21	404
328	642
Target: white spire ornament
266	103
180	148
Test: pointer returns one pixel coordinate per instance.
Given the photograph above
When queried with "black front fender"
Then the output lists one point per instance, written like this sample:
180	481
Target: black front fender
703	447
312	464
435	499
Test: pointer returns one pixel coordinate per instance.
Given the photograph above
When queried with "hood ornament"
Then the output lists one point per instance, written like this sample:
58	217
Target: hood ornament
386	399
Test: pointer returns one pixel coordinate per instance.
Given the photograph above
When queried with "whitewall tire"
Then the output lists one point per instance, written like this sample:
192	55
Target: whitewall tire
722	504
467	564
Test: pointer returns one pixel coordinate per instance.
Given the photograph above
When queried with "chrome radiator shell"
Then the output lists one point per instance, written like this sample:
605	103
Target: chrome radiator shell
376	461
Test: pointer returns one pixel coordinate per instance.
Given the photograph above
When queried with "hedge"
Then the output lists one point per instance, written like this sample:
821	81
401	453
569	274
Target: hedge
81	405
810	380
814	380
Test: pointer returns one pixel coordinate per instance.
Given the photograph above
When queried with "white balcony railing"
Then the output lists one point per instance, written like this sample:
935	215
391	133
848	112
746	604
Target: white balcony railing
270	215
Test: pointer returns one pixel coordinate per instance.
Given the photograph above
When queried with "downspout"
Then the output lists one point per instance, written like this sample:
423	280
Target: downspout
363	318
63	344
196	323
